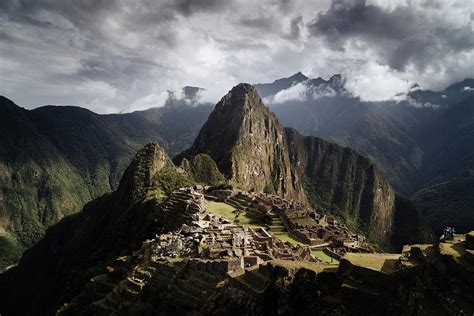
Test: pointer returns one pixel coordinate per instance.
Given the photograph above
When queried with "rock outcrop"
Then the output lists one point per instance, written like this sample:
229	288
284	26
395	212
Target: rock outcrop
248	144
203	169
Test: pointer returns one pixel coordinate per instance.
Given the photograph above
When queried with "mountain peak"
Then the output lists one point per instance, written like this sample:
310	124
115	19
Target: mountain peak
243	89
139	176
299	76
267	89
191	93
243	96
247	142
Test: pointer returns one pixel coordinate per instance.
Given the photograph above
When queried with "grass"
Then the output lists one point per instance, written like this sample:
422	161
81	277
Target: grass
231	213
317	267
238	217
321	255
383	262
284	236
458	253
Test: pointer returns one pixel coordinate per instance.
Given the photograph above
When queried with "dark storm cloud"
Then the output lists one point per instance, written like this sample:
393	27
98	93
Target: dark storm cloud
402	36
242	44
265	23
114	55
296	26
189	7
347	18
115	68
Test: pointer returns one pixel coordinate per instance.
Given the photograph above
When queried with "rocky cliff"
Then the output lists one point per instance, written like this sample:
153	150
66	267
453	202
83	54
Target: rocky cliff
255	152
341	181
248	144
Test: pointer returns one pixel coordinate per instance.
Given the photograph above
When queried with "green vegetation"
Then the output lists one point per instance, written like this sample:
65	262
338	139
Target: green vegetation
316	267
230	213
321	255
382	262
239	217
285	237
10	252
108	226
168	179
151	173
450	203
458	253
204	171
55	159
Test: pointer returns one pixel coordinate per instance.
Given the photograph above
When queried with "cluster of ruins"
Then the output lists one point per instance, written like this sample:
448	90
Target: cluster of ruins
208	236
318	230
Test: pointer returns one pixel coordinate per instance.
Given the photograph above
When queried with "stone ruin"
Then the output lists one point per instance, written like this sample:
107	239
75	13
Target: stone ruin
197	250
207	236
318	230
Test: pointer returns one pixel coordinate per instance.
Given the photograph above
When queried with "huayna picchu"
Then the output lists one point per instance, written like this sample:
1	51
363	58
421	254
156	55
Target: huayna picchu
252	219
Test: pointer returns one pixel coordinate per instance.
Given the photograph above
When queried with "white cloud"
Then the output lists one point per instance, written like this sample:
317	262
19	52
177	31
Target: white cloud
374	82
296	92
150	101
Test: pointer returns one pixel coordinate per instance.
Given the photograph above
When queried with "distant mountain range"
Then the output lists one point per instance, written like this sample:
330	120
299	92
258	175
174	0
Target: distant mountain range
422	144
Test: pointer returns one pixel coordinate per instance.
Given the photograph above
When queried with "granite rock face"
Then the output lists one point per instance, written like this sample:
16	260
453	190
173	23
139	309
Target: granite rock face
248	144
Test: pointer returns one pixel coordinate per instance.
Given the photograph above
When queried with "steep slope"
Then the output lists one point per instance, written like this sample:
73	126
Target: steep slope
339	180
418	143
54	159
55	268
448	203
203	170
371	129
38	186
255	152
248	144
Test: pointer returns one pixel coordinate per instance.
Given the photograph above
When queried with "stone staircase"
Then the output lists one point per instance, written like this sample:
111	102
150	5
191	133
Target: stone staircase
276	224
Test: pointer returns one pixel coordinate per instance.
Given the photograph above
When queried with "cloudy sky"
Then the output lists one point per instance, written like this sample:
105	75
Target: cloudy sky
122	55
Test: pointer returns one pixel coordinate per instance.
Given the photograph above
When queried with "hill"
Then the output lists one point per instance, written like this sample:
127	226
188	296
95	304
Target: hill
54	159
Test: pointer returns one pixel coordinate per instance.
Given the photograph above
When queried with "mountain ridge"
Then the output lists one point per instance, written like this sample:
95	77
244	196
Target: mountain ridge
54	159
308	169
417	142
